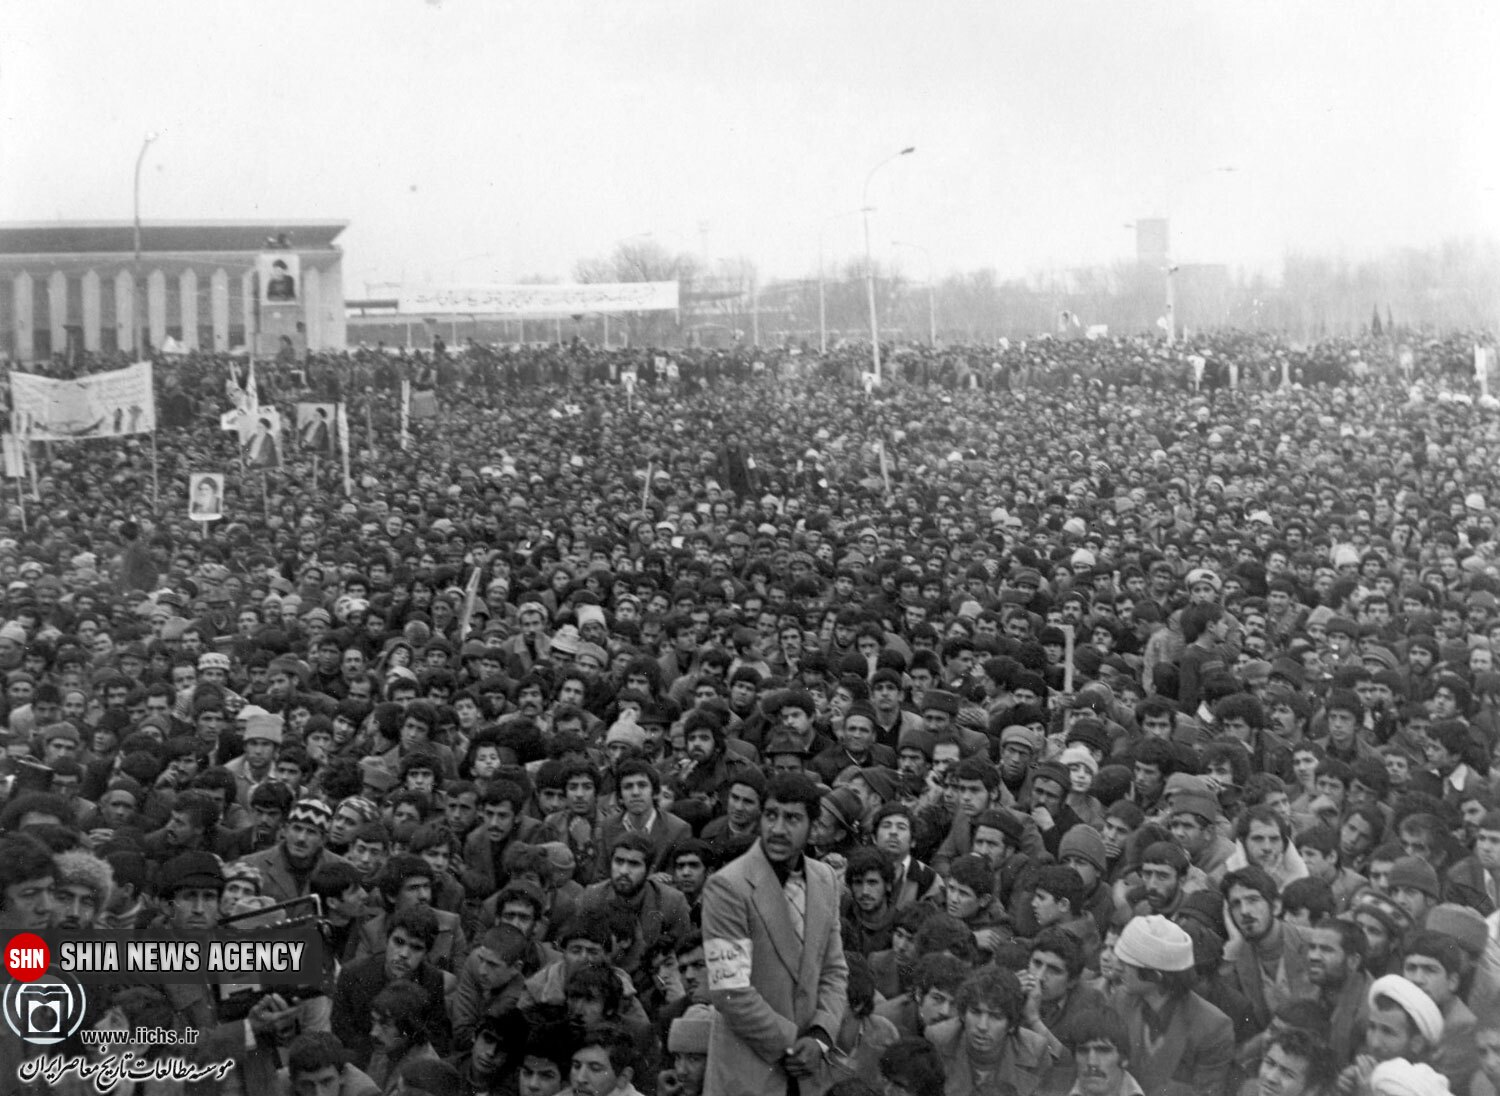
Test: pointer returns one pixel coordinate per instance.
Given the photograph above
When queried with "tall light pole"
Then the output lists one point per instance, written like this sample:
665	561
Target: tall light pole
822	292
931	300
1169	268
135	270
864	206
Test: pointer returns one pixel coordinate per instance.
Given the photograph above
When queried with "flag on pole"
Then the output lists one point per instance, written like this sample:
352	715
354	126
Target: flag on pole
405	415
342	422
885	469
246	402
471	595
15	456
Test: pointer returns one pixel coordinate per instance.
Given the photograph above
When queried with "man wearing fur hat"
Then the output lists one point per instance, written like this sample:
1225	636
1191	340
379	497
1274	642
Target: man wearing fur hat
81	888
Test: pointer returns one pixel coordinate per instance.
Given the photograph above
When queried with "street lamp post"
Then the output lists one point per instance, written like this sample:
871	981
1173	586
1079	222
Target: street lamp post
870	263
1171	272
135	270
822	293
931	300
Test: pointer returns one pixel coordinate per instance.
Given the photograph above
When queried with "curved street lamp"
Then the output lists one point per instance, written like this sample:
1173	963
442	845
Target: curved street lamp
869	262
135	271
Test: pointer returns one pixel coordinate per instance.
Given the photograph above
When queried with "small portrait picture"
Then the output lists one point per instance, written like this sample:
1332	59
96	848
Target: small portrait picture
315	428
263	446
206	496
280	274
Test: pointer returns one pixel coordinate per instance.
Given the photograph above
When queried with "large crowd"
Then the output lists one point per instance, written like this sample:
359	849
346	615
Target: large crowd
1071	717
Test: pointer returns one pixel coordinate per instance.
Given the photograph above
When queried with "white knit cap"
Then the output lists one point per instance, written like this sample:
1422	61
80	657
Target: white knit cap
1398	1077
1414	1001
1079	755
690	1033
1154	943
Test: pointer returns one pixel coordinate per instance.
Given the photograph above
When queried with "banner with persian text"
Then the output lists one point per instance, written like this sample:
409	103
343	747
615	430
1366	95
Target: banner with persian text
544	300
98	405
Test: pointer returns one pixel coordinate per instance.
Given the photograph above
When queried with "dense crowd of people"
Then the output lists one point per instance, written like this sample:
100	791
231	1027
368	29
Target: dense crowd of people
1062	718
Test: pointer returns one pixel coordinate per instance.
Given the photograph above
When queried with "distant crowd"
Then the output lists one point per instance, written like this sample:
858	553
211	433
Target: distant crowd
1068	716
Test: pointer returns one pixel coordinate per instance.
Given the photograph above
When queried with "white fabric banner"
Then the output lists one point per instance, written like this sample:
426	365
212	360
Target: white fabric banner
546	300
99	405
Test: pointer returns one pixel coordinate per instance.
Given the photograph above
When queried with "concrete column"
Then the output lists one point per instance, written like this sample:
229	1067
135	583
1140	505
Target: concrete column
187	285
91	310
57	310
247	301
218	296
25	336
125	312
331	293
156	307
312	315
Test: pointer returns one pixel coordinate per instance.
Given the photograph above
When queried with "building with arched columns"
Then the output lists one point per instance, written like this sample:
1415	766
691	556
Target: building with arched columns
77	283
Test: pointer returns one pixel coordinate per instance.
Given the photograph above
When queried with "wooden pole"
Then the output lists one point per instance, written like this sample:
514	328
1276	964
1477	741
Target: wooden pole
155	487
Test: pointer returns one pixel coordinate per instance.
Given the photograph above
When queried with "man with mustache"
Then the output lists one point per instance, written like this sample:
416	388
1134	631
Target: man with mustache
997	1043
776	969
1335	965
1101	1055
1272	968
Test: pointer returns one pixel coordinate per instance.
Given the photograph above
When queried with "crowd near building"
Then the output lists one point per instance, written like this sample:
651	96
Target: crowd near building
1083	716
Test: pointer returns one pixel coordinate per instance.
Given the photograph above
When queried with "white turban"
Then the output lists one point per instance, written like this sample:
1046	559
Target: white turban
1398	1077
1424	1013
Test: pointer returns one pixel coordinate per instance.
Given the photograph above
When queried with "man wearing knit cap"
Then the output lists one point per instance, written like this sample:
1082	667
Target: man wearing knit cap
1082	849
287	866
262	733
1019	746
914	763
940	710
1413	885
1047	799
190	885
687	1043
856	746
624	734
1180	1045
1193	825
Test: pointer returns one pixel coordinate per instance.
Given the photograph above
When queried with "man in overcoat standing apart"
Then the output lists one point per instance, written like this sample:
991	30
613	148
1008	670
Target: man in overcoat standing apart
776	970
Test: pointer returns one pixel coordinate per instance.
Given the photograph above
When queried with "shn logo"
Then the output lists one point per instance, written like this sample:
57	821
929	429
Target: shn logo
44	1012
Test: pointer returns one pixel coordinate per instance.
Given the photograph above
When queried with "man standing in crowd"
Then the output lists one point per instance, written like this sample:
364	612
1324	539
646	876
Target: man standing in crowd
776	968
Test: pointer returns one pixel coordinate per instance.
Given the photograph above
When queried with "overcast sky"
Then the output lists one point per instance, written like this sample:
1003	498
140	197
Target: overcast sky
479	141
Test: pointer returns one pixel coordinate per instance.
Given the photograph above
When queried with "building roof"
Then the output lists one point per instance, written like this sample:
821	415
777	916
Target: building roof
118	237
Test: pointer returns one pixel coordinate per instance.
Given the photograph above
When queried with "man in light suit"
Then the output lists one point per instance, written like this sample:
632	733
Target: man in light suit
776	969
